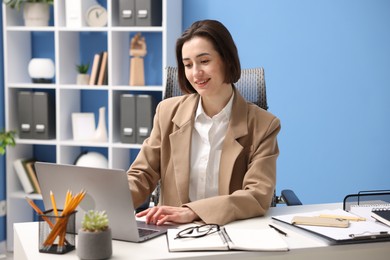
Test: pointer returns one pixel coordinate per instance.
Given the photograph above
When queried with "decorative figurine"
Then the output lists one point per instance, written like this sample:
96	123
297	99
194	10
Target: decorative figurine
137	53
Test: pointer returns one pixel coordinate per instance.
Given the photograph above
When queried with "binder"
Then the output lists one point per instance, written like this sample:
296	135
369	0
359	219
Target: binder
127	118
20	170
144	117
103	68
95	69
148	12
75	12
126	12
43	116
25	114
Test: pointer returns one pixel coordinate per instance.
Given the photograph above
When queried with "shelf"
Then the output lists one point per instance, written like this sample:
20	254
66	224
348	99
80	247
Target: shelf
31	86
23	195
68	47
30	29
36	142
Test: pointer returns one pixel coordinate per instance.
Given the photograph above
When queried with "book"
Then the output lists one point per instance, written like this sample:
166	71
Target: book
19	166
30	168
102	68
266	239
94	69
381	215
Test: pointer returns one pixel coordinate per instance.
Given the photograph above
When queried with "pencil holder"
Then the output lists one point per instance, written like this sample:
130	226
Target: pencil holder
57	232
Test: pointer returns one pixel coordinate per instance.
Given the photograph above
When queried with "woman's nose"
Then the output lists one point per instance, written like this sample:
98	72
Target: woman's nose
197	71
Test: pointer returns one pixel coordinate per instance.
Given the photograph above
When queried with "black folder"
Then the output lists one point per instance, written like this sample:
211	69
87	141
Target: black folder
44	116
36	111
126	12
144	116
127	118
25	114
148	12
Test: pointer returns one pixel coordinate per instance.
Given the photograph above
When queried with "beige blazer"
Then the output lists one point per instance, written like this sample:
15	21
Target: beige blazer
248	161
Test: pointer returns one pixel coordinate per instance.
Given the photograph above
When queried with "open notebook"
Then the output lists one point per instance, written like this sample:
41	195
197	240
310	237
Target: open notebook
229	239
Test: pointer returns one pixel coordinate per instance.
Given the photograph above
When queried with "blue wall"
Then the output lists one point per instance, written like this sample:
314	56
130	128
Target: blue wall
327	69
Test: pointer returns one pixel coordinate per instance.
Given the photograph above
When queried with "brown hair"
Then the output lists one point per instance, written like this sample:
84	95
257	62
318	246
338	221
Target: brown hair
223	43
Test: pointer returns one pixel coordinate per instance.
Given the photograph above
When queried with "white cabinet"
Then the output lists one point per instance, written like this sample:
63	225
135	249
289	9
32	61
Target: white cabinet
68	47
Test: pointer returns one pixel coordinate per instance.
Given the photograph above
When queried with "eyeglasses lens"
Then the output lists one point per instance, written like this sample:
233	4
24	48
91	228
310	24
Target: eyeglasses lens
199	231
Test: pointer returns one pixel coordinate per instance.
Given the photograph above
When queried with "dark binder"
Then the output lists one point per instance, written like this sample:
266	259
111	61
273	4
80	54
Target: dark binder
382	214
144	116
127	118
148	12
25	114
126	12
44	116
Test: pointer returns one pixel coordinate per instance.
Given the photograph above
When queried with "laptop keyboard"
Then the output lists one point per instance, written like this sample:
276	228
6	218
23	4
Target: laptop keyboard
145	232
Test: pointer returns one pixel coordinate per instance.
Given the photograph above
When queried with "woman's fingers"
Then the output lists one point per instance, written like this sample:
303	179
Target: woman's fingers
160	214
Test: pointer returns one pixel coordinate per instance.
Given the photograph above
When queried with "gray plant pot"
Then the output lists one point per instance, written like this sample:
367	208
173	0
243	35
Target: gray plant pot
36	14
94	245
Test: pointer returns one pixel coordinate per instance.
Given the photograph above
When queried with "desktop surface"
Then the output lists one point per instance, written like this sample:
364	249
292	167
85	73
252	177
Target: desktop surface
302	244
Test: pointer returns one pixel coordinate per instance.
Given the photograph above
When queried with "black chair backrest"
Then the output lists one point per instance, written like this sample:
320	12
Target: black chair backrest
251	85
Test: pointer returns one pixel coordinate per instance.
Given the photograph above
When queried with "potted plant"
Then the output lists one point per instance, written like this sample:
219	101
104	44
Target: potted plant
6	138
35	12
94	237
82	76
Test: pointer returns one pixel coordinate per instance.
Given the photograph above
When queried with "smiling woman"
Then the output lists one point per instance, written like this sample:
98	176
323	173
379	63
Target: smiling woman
213	152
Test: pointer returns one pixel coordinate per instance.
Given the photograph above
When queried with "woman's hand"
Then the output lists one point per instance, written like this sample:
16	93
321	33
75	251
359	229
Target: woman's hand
160	214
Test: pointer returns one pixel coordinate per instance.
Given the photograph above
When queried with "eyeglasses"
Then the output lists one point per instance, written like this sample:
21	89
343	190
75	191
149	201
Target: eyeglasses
198	231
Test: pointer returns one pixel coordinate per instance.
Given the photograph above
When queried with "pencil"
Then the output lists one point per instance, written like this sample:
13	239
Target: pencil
53	202
34	206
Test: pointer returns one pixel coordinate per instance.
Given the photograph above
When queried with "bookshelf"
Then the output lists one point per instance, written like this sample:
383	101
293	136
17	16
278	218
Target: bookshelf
68	47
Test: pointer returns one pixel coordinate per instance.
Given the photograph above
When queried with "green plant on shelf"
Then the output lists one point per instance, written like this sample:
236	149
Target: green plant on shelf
82	68
6	138
17	3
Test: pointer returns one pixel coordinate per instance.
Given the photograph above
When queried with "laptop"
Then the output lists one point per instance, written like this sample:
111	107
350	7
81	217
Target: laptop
107	189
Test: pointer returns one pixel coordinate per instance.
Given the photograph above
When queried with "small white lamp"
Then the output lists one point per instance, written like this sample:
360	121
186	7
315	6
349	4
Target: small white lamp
41	70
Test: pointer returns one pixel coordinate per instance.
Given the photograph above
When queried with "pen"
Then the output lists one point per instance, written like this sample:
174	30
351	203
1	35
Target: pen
342	217
277	229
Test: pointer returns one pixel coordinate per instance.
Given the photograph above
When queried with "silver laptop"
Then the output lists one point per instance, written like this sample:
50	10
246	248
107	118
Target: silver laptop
107	189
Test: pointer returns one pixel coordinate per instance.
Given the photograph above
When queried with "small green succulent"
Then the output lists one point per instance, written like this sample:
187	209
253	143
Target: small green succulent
82	68
95	221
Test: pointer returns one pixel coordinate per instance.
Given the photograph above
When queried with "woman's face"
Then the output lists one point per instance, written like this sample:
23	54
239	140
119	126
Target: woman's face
204	67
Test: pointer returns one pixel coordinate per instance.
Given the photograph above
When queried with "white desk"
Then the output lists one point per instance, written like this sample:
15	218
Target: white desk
302	244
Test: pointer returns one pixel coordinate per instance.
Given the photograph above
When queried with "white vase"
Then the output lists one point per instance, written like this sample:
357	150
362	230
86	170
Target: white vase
36	14
101	130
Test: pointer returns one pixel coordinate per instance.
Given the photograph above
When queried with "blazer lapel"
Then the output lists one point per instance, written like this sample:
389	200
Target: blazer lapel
231	147
181	145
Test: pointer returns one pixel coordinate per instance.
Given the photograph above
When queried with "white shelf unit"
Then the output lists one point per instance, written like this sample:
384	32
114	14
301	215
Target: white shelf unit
66	53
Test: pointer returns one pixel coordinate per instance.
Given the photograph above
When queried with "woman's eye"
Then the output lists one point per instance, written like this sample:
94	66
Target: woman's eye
188	65
205	61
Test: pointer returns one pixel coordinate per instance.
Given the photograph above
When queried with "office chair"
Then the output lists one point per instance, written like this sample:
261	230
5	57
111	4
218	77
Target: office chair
251	85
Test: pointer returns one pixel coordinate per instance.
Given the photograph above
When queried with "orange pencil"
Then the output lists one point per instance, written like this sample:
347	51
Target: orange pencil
53	202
